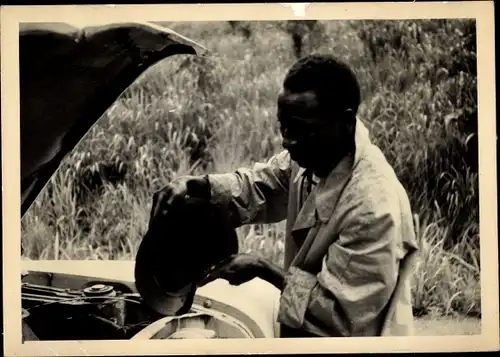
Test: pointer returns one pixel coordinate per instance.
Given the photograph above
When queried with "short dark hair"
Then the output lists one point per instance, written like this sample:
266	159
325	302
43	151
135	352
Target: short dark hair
333	81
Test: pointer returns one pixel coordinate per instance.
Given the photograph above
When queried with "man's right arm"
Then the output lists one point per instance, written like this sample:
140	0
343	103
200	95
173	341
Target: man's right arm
256	195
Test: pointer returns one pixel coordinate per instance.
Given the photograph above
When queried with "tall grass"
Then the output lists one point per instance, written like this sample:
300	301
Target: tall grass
190	115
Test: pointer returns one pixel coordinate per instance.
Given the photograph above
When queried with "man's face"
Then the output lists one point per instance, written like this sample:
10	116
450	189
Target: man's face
313	140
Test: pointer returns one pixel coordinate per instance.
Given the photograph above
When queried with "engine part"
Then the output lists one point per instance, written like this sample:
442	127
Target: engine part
111	309
201	323
97	312
99	290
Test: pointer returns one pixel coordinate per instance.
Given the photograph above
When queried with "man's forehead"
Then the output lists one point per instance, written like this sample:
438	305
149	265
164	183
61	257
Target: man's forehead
299	99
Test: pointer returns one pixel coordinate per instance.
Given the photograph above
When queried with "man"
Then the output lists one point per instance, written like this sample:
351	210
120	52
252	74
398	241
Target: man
349	236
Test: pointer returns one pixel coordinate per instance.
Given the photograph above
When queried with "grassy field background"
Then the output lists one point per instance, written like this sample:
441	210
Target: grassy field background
189	115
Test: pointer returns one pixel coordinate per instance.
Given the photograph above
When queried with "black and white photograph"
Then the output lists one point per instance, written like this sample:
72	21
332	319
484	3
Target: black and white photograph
217	179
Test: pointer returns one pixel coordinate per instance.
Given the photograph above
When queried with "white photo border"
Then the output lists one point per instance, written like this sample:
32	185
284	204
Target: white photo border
11	16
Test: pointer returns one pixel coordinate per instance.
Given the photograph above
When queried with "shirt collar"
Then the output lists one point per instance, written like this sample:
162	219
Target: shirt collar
302	172
328	190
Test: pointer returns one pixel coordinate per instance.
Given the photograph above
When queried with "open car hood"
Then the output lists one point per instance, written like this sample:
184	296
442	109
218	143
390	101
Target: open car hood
69	76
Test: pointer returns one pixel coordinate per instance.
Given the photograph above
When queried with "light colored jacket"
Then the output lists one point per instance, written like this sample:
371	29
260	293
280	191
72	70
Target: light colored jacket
349	248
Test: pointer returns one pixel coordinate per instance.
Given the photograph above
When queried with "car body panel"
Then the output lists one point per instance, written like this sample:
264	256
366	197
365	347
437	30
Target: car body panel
69	76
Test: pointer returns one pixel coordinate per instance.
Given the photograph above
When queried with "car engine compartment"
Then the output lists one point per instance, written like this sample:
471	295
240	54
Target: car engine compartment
59	307
95	312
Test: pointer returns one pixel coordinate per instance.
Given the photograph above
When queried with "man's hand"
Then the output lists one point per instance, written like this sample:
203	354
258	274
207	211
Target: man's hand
176	191
240	268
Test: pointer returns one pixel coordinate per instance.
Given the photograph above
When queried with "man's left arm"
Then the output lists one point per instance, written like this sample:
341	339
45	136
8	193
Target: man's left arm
355	284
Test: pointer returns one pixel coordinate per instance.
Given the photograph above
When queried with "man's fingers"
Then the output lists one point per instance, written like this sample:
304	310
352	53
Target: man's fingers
156	206
209	278
167	196
217	272
175	195
237	279
226	261
205	281
163	199
153	208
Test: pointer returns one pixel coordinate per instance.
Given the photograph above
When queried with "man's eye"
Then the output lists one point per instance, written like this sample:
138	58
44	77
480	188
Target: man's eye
297	129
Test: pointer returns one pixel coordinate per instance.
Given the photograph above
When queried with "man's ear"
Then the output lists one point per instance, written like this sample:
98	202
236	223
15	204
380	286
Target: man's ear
350	121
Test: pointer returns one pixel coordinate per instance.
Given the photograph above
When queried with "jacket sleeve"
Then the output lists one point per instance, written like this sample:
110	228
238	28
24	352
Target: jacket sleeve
256	195
358	276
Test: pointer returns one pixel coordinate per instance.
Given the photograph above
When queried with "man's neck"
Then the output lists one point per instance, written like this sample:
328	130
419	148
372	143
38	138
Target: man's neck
325	172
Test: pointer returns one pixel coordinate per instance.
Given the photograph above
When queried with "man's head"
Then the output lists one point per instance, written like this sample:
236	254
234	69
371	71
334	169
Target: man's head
317	110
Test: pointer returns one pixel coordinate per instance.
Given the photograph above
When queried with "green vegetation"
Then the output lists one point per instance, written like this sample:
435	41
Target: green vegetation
190	115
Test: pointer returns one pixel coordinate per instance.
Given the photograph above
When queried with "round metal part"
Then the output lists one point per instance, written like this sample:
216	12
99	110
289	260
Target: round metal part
207	304
99	290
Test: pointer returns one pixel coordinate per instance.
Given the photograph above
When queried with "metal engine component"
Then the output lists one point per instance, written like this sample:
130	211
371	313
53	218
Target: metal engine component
99	290
57	309
112	309
200	323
